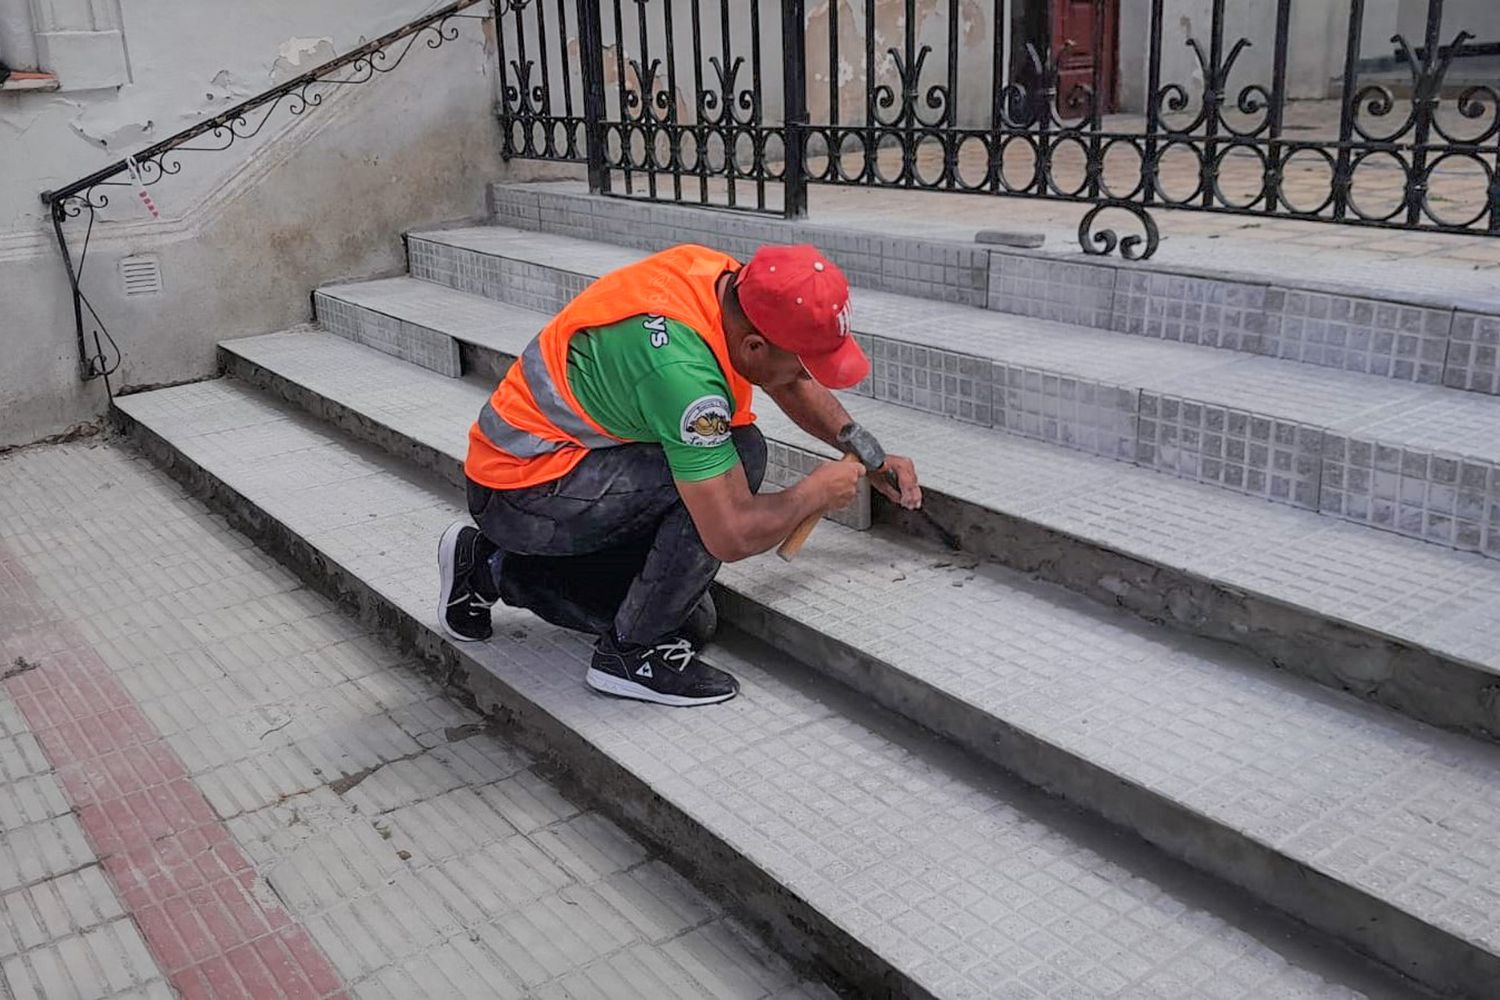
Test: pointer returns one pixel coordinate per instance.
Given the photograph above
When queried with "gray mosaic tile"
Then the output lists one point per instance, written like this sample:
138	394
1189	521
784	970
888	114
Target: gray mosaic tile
1189	310
1438	497
1404	342
1081	294
947	272
866	387
514	206
787	465
926	378
1076	413
527	284
412	342
1236	449
1474	354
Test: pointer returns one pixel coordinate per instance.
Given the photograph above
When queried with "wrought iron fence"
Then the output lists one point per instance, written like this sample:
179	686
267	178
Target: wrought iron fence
690	100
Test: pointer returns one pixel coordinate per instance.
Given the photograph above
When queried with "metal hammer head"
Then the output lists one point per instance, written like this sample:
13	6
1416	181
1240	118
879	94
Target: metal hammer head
860	443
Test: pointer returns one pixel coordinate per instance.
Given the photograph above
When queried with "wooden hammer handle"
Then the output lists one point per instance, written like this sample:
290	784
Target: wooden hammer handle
788	549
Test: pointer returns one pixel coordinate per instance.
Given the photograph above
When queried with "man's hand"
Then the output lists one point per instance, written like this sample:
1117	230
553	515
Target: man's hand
835	483
736	524
907	492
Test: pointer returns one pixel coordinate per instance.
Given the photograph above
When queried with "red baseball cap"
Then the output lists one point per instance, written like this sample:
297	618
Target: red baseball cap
799	301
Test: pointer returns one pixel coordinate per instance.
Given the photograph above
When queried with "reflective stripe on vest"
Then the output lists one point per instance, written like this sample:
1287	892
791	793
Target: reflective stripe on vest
514	442
524	444
551	403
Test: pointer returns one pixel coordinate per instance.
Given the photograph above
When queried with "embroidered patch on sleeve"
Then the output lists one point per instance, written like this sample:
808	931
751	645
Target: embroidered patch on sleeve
705	422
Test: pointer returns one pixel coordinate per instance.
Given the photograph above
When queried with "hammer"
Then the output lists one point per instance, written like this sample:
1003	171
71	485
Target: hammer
858	445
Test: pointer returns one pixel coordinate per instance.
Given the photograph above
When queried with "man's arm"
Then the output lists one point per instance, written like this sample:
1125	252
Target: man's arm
819	412
736	524
812	408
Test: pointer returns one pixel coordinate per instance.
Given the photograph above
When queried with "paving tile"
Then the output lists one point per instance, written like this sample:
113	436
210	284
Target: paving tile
1077	294
1189	310
1474	353
1080	414
1237	449
1403	342
365	324
333	757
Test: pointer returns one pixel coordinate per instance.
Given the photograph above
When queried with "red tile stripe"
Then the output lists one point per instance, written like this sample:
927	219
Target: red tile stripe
173	862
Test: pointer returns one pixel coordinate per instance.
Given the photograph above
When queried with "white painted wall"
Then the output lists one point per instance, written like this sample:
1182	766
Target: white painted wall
250	231
1382	20
1479	17
1315	49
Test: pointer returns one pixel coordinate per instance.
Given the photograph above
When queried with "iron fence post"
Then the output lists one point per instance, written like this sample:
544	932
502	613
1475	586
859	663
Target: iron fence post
591	60
794	120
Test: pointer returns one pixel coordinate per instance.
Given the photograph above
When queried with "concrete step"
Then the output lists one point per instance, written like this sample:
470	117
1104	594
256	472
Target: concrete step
857	847
1417	459
1394	620
1260	780
1322	312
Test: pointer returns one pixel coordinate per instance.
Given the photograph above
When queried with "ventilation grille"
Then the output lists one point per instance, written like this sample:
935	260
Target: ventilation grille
140	275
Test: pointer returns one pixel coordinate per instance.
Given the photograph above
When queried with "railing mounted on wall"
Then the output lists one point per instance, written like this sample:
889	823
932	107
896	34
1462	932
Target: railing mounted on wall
697	101
246	120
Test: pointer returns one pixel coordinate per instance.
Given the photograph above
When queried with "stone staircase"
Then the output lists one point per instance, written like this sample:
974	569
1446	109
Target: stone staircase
1271	724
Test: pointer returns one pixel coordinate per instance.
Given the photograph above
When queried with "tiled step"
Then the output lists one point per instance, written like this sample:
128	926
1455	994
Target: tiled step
1400	622
1421	460
857	848
1054	689
362	310
1423	328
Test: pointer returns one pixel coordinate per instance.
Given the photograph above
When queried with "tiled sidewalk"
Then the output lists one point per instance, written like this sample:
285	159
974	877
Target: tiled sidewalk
217	785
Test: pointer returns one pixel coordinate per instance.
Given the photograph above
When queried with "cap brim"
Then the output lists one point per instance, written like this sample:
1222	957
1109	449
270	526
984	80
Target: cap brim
840	369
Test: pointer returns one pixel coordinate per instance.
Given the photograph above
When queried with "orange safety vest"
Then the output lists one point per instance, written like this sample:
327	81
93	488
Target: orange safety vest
533	429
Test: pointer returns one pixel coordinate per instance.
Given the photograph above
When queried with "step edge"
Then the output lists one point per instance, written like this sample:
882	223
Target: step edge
1406	297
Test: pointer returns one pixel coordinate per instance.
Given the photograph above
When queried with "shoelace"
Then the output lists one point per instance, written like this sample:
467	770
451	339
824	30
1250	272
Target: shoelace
473	602
676	655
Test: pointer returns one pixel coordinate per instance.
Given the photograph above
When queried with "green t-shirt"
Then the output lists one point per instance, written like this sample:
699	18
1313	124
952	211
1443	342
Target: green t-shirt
653	379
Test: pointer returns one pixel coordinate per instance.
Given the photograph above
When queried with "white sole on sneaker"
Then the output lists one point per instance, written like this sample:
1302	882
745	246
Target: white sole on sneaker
621	688
447	551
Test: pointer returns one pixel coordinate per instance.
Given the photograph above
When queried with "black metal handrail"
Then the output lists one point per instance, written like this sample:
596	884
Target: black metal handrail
244	121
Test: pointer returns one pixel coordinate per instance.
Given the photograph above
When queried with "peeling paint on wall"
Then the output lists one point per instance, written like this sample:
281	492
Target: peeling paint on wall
108	133
296	56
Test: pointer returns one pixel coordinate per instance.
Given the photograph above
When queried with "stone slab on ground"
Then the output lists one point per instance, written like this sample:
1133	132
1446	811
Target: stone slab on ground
1022	658
386	824
865	830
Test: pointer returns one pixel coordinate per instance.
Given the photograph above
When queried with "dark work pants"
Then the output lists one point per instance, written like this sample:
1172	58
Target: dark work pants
608	545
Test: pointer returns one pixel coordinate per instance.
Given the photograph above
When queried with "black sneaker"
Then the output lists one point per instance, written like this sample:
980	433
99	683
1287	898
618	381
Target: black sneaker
464	612
702	623
667	673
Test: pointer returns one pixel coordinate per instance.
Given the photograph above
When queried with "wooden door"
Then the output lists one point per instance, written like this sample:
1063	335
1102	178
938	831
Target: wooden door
1074	43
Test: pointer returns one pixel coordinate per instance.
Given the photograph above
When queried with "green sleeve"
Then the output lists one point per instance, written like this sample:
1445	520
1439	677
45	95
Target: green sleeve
686	405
